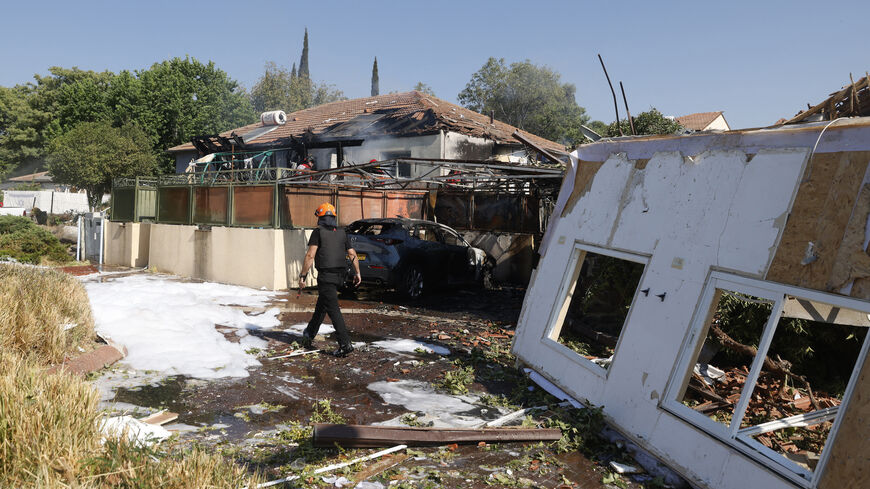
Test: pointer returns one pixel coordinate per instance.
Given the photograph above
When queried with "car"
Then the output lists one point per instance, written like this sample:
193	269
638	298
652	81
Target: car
415	256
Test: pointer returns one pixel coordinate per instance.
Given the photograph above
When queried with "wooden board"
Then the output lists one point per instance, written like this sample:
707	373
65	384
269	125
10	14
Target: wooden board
821	214
365	436
849	464
586	171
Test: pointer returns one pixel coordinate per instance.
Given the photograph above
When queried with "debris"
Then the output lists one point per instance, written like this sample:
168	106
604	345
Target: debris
133	429
518	414
294	353
366	436
330	468
387	462
624	468
160	418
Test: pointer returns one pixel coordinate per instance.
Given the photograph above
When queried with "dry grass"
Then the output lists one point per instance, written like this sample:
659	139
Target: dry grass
49	438
36	305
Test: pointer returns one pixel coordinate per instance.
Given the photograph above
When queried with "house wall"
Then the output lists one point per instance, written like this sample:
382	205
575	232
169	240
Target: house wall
718	124
688	208
182	159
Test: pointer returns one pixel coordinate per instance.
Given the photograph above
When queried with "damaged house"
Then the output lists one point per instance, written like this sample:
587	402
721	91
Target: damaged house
712	293
384	127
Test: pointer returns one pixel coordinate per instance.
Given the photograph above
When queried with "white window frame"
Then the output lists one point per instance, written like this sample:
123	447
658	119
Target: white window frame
559	310
729	434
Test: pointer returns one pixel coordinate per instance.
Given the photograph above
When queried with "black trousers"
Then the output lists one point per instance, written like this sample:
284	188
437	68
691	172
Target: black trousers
327	303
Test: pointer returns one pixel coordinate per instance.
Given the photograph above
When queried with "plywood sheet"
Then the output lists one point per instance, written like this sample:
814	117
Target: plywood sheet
849	463
821	214
586	171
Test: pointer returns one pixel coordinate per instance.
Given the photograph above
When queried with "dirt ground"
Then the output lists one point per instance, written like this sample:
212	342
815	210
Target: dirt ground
262	420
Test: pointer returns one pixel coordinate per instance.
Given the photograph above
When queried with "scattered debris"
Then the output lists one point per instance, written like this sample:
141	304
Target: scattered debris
365	436
133	429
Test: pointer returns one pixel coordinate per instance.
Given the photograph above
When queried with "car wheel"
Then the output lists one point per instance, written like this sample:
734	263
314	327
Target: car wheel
413	282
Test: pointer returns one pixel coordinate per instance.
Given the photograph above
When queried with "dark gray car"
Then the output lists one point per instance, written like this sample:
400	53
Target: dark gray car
415	256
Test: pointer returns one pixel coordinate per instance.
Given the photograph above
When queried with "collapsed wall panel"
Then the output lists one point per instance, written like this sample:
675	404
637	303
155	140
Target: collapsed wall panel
720	225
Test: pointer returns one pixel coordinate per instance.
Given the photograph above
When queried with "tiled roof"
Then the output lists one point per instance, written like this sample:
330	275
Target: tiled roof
699	121
33	177
405	114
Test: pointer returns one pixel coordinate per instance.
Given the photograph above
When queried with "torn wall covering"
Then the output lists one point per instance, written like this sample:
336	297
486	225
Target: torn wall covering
691	212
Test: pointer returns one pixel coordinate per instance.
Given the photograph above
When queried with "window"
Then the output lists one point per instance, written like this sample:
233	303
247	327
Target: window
596	303
397	169
766	368
452	238
426	233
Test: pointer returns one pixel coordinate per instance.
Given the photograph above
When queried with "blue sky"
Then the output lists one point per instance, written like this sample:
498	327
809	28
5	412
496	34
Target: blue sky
758	61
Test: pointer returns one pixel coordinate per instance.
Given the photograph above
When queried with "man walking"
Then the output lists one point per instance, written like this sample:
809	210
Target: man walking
327	249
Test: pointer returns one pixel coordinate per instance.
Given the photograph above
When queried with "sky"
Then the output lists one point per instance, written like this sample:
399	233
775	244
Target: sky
755	60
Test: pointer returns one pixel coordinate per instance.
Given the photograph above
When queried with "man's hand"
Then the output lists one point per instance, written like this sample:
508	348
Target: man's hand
301	284
357	279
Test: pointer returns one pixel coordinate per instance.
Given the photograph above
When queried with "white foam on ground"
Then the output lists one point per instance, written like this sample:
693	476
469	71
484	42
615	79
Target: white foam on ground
443	410
325	329
169	326
404	345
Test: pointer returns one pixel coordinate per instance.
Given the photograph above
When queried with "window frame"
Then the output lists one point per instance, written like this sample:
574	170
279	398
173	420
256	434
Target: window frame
693	342
562	302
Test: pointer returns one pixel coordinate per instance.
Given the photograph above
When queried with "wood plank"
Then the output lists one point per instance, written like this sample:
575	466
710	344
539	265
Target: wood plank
365	436
160	417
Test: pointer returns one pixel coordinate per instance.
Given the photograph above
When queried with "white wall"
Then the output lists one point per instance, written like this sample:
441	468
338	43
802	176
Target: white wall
690	209
46	200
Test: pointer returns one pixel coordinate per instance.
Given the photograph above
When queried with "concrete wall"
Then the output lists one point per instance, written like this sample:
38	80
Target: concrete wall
684	208
241	256
461	147
127	244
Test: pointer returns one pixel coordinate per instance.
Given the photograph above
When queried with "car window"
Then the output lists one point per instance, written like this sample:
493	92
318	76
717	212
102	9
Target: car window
426	233
451	238
373	228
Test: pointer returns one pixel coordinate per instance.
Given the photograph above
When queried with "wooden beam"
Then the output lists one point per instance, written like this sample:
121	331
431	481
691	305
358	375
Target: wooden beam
365	436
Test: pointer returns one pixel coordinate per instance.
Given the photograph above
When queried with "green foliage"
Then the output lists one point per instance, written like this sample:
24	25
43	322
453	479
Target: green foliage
528	96
649	122
90	154
279	89
323	412
376	88
581	431
424	88
171	101
457	381
26	242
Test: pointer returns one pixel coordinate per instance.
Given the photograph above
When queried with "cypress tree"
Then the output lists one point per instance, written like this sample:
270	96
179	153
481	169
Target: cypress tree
293	72
303	62
375	83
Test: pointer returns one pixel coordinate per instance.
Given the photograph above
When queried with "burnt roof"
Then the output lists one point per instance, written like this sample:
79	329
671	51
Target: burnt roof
397	114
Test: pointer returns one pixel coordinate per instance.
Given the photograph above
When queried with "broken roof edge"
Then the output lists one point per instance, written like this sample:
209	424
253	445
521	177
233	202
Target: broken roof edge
748	140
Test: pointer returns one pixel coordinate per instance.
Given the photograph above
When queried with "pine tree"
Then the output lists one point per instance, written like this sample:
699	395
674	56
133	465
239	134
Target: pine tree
375	83
303	61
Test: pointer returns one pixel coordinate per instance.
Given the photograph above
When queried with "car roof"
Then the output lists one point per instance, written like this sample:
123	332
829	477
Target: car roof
400	220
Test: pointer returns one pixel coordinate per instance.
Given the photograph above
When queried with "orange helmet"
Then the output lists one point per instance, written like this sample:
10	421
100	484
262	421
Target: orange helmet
325	209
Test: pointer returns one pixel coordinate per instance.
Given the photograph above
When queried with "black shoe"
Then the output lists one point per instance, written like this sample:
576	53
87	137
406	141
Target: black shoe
343	351
306	341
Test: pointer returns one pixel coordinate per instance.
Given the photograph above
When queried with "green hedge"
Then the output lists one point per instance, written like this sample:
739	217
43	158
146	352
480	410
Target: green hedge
24	241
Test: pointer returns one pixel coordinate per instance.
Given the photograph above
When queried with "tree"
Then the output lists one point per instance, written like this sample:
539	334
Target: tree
303	60
376	89
91	154
424	88
649	122
528	96
19	142
279	89
181	98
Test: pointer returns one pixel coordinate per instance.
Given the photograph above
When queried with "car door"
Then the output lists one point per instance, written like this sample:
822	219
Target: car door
460	269
433	253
